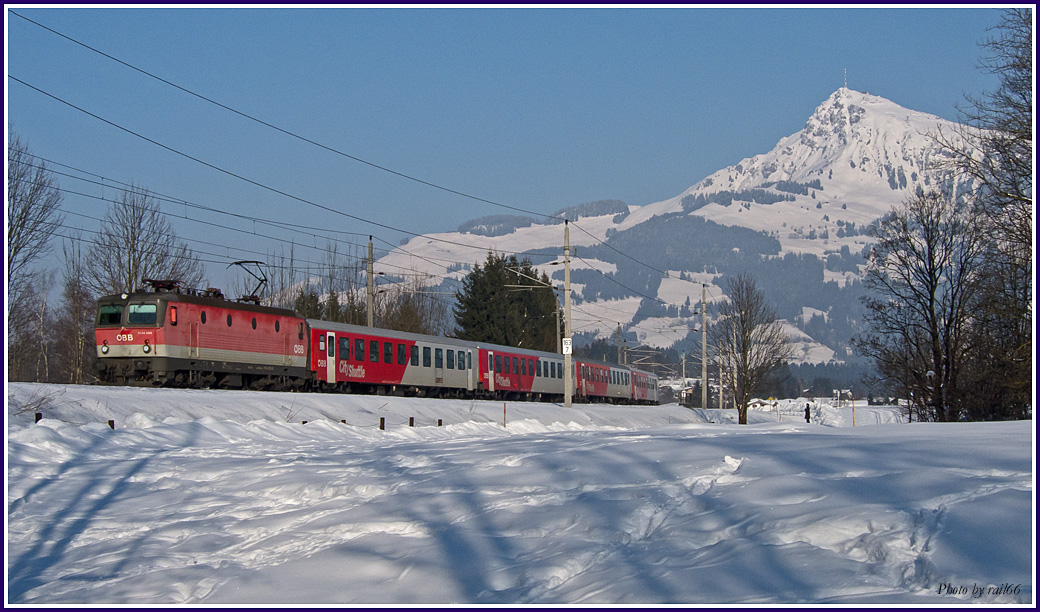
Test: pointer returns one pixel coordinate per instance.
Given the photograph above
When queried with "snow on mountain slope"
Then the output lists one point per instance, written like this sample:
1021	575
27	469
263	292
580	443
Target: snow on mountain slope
815	192
867	154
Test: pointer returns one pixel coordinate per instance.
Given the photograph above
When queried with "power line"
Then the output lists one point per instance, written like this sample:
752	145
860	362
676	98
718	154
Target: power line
243	178
282	130
195	94
320	206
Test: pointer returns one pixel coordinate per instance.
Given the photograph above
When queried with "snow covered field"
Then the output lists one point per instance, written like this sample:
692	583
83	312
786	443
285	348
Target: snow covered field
220	497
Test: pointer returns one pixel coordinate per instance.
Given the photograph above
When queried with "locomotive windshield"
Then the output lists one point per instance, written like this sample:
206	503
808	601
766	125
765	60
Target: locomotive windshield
135	314
110	314
141	314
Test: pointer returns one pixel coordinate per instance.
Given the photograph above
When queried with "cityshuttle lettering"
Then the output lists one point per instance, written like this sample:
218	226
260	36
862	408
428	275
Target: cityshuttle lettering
352	371
503	381
977	591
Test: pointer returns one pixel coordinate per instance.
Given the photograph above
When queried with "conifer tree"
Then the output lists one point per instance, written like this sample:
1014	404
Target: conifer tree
495	305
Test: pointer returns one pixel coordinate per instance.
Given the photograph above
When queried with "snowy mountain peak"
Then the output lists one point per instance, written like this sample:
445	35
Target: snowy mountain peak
855	148
814	195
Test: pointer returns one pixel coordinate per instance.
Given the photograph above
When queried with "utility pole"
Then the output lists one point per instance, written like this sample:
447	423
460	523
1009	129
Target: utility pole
568	367
559	338
371	287
704	347
619	343
683	374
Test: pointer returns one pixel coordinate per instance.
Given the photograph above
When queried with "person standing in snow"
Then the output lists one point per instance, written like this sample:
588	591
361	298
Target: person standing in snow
807	413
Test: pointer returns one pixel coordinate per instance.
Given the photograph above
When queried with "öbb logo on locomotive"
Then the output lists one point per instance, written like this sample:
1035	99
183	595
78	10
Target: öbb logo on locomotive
167	336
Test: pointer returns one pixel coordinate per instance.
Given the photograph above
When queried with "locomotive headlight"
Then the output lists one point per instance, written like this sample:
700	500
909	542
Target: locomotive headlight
104	347
147	347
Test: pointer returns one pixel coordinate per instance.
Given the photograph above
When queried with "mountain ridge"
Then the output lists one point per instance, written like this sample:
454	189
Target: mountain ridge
857	156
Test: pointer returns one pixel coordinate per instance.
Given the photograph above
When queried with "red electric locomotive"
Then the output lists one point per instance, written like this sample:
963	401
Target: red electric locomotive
170	337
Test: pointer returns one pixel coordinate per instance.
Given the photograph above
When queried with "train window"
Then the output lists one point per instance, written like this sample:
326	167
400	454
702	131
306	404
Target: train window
141	314
277	327
332	346
516	366
469	360
229	320
498	363
451	359
415	354
373	351
388	352
300	333
491	365
402	354
438	358
202	317
359	349
110	314
426	356
321	343
254	322
523	367
344	348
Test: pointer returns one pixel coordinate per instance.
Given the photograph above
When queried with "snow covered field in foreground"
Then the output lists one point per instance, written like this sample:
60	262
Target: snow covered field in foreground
218	497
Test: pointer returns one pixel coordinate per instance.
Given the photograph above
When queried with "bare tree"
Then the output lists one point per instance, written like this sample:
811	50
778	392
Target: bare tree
136	242
74	324
33	209
33	216
30	333
994	146
747	340
925	271
414	307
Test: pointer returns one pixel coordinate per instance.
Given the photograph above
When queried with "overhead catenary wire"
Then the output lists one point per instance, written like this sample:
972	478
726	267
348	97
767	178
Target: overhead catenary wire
334	150
280	129
244	178
320	206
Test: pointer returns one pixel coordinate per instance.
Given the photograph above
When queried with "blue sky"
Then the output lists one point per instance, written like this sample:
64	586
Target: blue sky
533	108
